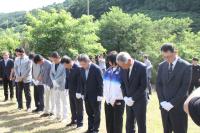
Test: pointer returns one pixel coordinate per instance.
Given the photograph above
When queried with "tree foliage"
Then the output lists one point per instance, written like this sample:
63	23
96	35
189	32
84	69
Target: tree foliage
59	31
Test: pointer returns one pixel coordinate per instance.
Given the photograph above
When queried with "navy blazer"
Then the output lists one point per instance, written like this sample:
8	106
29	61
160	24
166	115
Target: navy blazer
5	71
135	86
93	86
72	77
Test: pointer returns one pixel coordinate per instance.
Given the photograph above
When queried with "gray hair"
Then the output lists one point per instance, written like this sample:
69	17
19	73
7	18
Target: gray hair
123	57
83	57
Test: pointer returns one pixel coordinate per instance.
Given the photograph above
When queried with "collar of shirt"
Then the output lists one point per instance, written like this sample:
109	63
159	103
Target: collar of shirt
88	67
131	67
174	62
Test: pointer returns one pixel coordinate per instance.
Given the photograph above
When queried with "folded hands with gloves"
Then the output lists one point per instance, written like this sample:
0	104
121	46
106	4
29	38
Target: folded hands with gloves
129	101
166	105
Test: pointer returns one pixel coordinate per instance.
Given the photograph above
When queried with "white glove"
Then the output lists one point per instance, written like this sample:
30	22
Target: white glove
166	105
78	95
129	101
66	91
99	98
112	101
35	82
55	84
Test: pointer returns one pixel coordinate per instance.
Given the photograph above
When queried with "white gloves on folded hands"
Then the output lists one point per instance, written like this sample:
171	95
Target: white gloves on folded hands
35	82
129	101
166	105
78	95
99	98
55	84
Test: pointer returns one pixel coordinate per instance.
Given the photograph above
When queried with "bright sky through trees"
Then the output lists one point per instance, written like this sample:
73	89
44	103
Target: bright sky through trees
24	5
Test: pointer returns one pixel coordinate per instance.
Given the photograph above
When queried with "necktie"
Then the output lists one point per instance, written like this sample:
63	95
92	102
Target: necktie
128	74
170	69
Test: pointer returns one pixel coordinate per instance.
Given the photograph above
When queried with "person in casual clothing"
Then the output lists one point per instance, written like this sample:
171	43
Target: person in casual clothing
72	80
102	63
195	75
114	105
6	67
147	62
23	73
38	86
44	78
14	76
58	77
91	88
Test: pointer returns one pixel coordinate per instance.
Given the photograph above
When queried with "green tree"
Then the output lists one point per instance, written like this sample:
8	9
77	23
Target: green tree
9	40
59	31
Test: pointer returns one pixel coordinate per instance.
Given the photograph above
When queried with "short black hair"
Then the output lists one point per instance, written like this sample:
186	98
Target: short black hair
20	50
55	55
31	56
83	58
168	47
195	59
145	56
112	57
66	59
38	58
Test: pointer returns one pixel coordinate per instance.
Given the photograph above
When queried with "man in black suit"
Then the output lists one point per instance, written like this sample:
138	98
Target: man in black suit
72	79
91	87
195	83
134	90
173	82
6	68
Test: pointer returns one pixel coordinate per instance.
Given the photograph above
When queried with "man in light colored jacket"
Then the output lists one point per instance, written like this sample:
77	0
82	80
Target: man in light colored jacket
38	86
44	78
23	73
58	77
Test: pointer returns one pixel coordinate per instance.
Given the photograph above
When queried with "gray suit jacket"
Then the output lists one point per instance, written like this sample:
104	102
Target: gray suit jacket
23	69
59	76
174	88
45	73
149	68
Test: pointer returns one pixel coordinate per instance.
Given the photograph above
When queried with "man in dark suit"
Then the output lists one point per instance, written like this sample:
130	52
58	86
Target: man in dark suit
173	81
72	79
134	90
91	87
195	83
6	68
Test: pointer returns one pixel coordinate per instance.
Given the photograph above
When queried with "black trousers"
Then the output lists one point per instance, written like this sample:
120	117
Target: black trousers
8	83
136	113
114	117
192	85
26	87
39	97
175	120
76	106
93	110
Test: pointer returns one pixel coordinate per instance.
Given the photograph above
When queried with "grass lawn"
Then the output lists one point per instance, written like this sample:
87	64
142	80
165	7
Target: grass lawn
14	121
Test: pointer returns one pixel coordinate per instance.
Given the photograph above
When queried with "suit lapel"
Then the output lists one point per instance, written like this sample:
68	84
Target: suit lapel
126	74
4	65
176	68
89	73
132	72
83	74
165	72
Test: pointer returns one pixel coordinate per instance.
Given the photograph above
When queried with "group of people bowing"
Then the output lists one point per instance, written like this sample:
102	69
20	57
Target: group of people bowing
123	84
